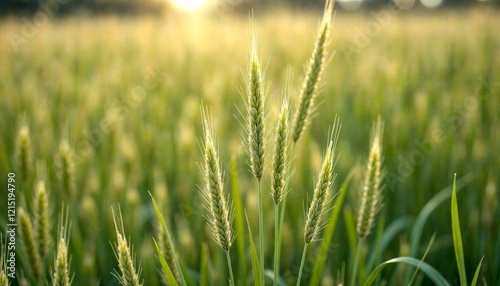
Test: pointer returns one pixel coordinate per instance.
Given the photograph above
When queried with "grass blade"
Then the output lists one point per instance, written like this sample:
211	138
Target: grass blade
428	270
165	229
476	275
430	206
457	235
389	234
423	259
255	259
324	248
166	270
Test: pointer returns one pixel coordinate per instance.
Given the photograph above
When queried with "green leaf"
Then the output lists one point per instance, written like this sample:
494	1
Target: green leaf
255	259
239	222
389	234
166	270
428	270
428	209
457	235
323	251
476	275
165	229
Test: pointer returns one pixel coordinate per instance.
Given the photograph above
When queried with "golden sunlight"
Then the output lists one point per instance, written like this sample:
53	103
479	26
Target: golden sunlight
189	4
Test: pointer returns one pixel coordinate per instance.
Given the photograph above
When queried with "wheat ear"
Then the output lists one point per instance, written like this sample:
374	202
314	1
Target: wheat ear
168	253
256	141
42	219
29	243
23	152
65	167
313	75
371	194
124	252
279	178
220	214
321	196
61	276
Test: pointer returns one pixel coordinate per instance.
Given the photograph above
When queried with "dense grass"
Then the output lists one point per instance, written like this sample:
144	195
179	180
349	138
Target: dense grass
433	79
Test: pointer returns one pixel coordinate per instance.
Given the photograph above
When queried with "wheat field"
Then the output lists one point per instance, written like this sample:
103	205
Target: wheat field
105	110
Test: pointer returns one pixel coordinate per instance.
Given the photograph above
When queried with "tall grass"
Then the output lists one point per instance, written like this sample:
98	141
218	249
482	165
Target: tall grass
432	78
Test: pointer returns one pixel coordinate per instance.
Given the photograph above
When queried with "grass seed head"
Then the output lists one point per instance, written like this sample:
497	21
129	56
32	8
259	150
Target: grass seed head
23	152
42	219
168	253
125	255
280	158
313	75
220	217
65	167
371	194
321	196
29	244
256	120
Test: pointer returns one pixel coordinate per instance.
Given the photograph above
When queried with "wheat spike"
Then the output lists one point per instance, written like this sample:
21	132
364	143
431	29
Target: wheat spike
61	276
29	243
42	219
23	152
322	195
313	75
125	255
220	217
371	194
168	253
65	167
280	160
255	107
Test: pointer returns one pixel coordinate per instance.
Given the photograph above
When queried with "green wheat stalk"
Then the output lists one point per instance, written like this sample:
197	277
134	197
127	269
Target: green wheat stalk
256	143
321	197
371	194
220	214
279	177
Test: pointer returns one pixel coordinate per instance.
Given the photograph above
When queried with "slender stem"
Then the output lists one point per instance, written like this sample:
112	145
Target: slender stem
280	225
231	277
261	235
356	260
302	263
283	207
277	236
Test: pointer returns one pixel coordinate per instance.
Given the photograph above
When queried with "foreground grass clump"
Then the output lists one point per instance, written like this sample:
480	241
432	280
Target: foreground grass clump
127	102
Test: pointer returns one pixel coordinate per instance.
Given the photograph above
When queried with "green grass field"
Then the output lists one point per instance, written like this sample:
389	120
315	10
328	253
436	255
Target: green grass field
126	94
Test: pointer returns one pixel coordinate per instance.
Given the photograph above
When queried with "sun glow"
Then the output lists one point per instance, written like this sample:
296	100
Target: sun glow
189	4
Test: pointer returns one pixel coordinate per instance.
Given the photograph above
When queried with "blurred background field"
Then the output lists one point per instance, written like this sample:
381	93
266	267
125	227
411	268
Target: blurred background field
126	94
